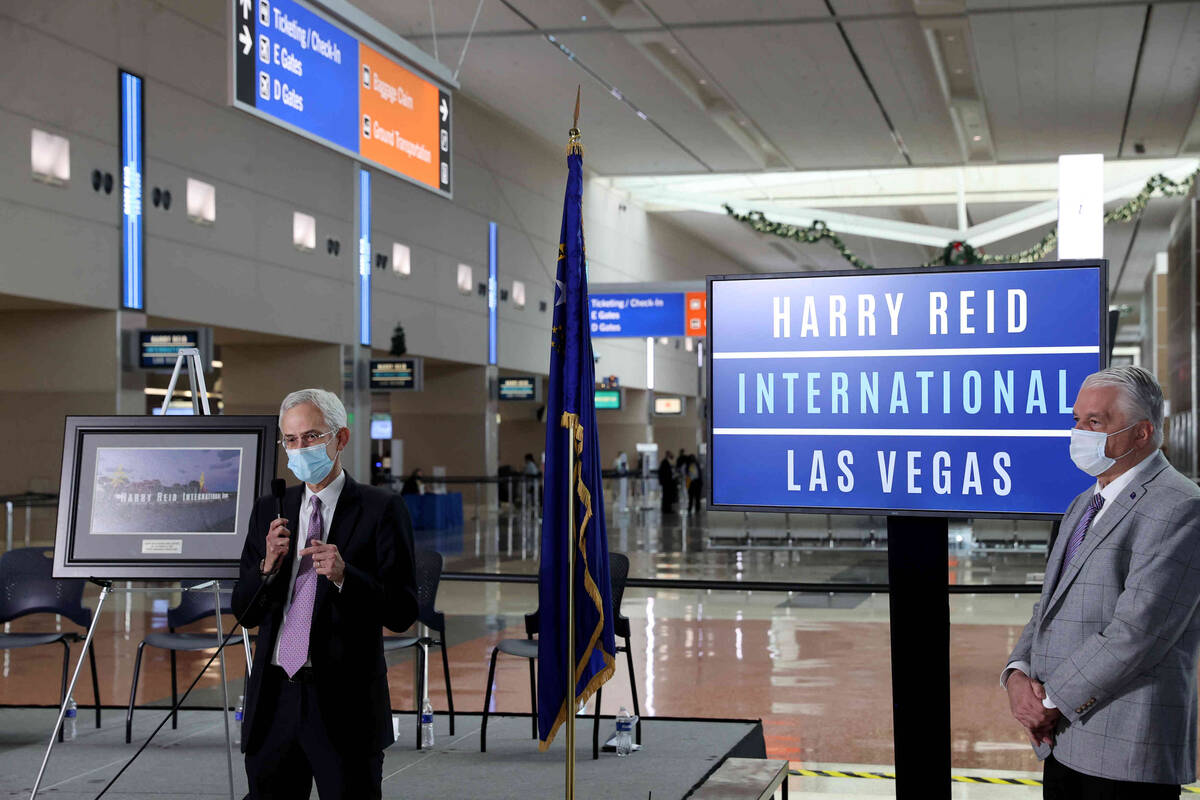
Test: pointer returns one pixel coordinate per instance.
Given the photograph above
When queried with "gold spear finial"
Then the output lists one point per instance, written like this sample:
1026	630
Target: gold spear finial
573	143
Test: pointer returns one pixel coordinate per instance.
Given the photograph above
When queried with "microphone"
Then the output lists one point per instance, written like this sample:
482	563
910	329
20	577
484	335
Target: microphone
278	488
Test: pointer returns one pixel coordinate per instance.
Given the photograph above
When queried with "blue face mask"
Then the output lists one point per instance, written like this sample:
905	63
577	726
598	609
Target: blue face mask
310	464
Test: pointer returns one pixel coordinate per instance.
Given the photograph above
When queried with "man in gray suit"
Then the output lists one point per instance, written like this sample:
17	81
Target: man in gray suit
1104	676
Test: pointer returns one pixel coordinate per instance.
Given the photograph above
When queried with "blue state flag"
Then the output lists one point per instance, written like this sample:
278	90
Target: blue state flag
571	411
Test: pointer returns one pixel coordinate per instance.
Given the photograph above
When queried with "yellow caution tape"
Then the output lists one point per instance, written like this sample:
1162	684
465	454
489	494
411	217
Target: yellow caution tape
828	773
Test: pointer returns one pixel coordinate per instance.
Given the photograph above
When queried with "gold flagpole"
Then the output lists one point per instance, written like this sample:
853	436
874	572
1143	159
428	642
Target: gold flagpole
574	139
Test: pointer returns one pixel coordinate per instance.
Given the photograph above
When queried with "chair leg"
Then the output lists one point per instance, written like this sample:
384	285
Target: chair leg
533	713
95	680
596	727
446	673
419	700
137	669
487	700
174	694
63	691
637	710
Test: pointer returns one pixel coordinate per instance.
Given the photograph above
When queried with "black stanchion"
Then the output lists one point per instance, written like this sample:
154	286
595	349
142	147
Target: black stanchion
920	623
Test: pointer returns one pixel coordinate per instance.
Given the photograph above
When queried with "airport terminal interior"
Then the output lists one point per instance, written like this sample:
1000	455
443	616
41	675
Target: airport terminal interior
367	196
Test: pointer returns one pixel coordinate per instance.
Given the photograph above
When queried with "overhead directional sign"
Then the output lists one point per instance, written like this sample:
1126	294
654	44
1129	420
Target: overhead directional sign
937	392
641	314
298	68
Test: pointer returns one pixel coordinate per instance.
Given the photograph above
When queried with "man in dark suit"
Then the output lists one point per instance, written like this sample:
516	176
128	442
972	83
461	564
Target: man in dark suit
317	704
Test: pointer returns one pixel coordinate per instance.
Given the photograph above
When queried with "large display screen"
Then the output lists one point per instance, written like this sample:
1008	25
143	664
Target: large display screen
298	68
944	392
159	498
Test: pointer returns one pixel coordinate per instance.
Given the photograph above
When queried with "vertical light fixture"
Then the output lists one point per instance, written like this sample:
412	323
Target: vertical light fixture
649	362
133	234
364	257
493	233
1081	206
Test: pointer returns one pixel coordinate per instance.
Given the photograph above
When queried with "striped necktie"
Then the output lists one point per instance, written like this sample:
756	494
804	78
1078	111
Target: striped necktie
1081	529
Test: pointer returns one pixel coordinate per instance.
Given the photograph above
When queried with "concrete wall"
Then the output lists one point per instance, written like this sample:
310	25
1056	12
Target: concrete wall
58	72
56	363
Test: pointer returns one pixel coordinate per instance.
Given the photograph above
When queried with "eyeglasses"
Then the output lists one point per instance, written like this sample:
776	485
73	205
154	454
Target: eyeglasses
305	439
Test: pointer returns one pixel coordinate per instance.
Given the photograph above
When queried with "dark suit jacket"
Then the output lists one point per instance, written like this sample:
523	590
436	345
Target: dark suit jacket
373	534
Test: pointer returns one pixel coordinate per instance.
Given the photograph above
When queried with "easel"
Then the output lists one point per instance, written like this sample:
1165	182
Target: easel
200	407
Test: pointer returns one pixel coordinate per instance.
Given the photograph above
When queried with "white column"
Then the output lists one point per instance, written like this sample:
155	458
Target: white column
1081	206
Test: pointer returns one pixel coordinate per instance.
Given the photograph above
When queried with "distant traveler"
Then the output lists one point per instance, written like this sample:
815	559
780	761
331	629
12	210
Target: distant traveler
695	484
531	471
621	465
317	703
1103	678
669	483
413	483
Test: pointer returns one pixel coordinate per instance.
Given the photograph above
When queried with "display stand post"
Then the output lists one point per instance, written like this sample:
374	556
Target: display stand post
105	588
920	628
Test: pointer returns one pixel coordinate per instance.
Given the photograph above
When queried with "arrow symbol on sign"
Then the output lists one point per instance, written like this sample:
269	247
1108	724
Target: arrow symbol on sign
444	109
247	42
246	8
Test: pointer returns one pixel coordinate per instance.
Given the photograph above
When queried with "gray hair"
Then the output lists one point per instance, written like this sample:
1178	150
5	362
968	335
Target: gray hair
328	403
1143	397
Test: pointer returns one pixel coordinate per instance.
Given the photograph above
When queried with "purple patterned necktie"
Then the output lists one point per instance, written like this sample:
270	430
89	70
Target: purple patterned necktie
1080	531
293	636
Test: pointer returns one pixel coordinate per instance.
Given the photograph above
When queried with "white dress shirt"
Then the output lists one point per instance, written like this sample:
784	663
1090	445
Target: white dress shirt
1109	493
299	527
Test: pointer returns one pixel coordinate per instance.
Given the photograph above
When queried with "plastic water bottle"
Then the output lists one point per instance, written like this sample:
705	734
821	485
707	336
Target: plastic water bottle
624	732
69	720
426	724
238	714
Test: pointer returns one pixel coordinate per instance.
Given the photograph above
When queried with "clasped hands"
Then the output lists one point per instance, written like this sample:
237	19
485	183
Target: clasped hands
327	560
1025	697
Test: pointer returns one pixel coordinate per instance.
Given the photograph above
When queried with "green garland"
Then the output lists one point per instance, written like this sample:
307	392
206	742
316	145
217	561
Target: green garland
959	253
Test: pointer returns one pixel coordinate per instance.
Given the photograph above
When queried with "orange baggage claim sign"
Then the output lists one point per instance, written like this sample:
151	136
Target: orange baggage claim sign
405	120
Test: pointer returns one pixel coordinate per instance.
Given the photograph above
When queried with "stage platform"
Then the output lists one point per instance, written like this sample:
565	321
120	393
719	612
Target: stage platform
190	762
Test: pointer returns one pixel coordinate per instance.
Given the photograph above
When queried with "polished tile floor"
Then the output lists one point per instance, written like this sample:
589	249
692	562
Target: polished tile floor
814	667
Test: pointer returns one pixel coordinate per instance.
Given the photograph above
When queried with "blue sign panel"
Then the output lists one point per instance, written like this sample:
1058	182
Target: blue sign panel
306	71
946	392
648	314
133	270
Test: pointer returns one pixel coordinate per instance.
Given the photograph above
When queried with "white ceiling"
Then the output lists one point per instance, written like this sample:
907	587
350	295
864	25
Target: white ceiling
754	85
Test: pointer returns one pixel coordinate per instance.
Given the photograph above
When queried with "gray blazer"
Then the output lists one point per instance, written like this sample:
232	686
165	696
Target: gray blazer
1115	640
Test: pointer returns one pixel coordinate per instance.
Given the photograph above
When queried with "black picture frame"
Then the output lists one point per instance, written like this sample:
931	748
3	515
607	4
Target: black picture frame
1099	264
79	552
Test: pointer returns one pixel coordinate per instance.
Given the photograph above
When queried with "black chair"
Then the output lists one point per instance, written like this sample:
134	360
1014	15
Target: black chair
193	605
27	586
618	570
429	575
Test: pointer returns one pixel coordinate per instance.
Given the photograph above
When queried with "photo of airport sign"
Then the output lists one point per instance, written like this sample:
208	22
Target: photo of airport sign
935	391
298	68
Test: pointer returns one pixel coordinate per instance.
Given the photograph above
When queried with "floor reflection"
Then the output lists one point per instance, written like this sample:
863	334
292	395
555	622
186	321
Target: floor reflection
814	667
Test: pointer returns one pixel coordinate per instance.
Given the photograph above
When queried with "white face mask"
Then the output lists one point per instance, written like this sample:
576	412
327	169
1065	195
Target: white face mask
1087	450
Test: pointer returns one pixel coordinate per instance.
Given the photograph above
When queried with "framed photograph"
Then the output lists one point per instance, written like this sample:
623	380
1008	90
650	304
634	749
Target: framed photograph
160	498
